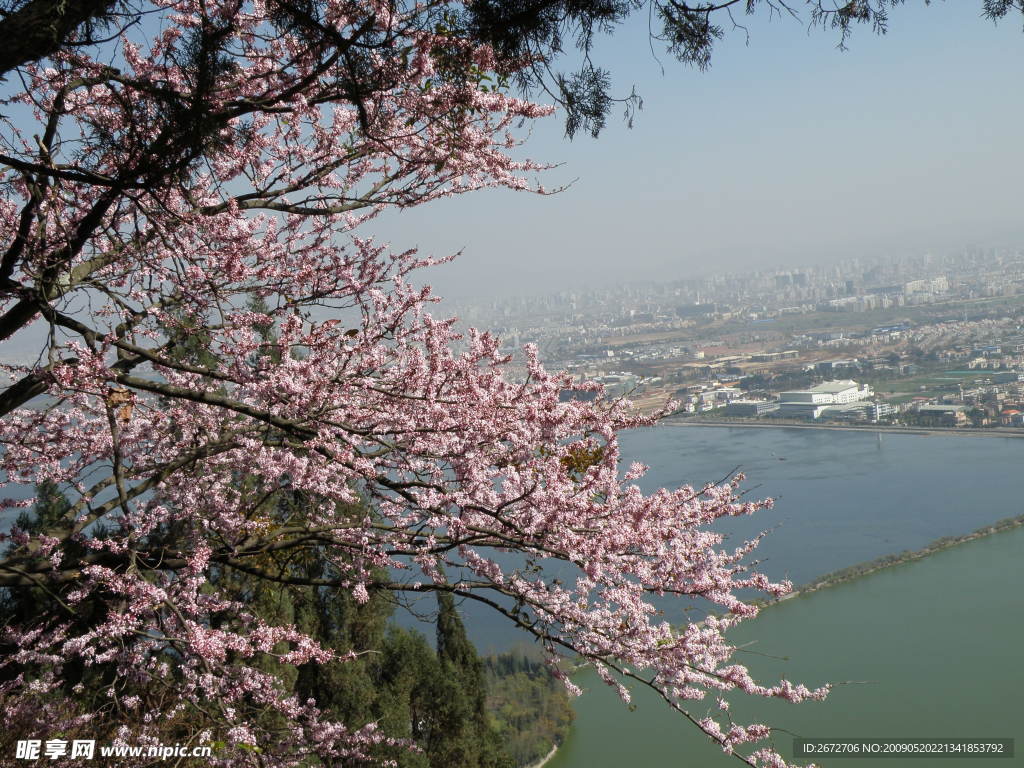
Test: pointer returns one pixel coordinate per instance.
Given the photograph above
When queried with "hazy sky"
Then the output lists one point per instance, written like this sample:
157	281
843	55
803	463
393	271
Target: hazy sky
787	151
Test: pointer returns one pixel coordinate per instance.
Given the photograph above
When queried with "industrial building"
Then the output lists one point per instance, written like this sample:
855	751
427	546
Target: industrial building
811	403
829	393
750	408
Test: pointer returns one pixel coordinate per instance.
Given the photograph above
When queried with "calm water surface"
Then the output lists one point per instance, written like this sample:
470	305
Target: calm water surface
935	646
842	497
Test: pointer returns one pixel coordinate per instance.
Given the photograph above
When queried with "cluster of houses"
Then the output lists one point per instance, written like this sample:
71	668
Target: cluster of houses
998	403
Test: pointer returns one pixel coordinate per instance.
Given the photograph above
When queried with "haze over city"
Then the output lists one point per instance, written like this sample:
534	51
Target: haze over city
785	152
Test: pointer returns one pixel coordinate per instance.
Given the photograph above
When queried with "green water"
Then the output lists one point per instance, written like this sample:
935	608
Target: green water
936	642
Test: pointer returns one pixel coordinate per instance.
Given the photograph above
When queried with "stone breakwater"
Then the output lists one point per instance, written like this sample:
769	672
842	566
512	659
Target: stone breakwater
888	561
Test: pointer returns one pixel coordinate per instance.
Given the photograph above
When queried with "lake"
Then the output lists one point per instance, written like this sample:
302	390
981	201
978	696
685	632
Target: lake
842	497
934	645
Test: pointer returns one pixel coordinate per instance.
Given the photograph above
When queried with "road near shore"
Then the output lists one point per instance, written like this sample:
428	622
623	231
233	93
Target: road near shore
963	431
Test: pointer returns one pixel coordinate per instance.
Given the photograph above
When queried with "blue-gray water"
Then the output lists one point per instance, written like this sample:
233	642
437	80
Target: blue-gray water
935	644
933	648
842	497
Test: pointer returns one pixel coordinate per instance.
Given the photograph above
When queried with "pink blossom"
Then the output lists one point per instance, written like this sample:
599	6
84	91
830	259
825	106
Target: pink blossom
415	449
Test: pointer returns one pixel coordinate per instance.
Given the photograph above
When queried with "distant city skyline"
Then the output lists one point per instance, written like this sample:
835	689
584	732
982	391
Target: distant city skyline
786	151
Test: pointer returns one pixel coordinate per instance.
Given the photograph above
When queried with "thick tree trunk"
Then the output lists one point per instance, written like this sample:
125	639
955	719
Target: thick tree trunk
40	27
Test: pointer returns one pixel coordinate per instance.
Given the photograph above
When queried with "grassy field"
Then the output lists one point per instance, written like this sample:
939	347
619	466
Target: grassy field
929	384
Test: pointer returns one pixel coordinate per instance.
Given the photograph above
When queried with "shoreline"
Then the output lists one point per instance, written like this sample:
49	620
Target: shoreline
869	567
853	572
886	428
544	760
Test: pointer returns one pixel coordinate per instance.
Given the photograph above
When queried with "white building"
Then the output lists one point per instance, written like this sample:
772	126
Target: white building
810	403
829	393
795	410
859	411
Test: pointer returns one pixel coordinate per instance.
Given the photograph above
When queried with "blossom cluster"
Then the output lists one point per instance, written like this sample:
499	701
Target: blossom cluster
222	332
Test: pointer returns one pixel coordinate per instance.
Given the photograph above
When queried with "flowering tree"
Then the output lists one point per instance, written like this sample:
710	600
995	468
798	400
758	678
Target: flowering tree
181	212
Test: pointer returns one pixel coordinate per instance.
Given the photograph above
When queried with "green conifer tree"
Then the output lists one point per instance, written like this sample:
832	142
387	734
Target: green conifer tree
463	733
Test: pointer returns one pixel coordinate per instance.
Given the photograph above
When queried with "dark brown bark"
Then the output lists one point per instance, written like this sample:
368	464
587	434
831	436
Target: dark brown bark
40	27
